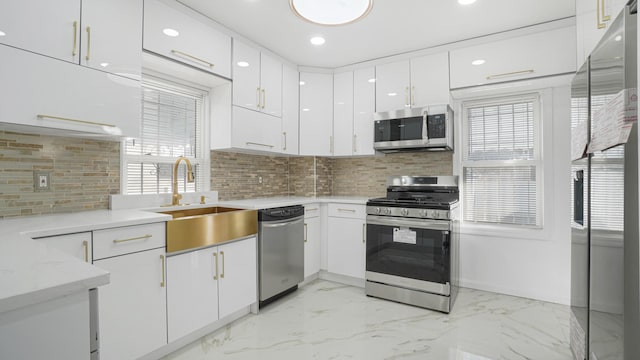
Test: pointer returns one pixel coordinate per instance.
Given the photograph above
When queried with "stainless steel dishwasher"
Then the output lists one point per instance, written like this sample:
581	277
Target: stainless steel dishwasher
281	251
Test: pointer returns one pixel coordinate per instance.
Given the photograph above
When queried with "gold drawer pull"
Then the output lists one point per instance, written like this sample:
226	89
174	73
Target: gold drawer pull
311	209
347	210
143	237
88	57
163	270
364	233
258	144
75	39
41	116
222	256
183	54
514	73
85	245
215	256
305	232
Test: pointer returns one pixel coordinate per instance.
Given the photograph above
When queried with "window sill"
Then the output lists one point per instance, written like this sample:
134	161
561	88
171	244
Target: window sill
504	231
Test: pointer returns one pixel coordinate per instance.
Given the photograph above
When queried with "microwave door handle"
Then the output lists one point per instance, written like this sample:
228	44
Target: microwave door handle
425	132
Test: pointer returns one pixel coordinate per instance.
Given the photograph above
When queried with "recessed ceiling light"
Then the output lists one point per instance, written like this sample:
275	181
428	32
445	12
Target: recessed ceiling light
317	40
305	109
466	2
2	33
392	94
170	32
372	80
478	62
618	38
302	83
243	63
331	12
104	64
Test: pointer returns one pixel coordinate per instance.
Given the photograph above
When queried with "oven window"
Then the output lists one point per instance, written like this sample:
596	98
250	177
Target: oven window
399	129
392	251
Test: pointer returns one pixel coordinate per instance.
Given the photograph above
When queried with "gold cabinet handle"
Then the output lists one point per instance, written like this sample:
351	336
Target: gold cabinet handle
259	144
75	39
604	17
600	14
514	73
258	98
354	143
42	116
284	133
215	256
305	232
311	209
163	270
222	256
347	210
143	237
406	96
191	57
264	98
413	95
364	233
88	43
85	245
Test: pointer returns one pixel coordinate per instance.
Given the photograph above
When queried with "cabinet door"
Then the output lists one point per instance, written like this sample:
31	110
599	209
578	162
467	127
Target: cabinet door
290	108
364	105
246	76
311	246
78	245
109	105
343	114
196	42
271	85
346	247
316	114
116	49
392	86
43	26
255	131
238	283
430	80
192	291
133	306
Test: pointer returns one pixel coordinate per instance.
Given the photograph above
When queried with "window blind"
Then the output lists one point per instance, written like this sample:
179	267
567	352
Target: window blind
171	127
501	164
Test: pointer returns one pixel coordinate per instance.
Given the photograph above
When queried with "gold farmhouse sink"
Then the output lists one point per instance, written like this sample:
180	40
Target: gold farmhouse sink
194	228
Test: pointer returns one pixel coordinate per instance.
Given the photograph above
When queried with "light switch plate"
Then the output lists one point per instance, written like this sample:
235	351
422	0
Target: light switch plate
41	181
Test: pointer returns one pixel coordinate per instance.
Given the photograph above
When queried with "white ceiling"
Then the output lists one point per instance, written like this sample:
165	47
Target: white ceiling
392	27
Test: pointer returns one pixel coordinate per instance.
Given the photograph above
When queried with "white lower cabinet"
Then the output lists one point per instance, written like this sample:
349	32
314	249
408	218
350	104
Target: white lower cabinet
209	284
77	245
192	291
238	282
132	307
312	238
346	237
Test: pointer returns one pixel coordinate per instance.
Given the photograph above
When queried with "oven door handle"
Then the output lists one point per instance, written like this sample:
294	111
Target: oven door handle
429	224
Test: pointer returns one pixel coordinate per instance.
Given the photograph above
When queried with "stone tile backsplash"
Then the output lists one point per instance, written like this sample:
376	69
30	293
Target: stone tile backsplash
85	172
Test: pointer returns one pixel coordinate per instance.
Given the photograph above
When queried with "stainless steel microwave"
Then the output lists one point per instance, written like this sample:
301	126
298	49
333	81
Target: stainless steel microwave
425	128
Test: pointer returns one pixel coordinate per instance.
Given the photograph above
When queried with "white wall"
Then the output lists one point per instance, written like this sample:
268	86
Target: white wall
532	263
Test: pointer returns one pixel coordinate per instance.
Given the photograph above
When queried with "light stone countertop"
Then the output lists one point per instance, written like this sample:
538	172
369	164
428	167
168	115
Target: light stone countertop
32	272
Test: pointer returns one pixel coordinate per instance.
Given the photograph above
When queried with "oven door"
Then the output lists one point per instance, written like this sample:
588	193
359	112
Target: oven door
412	253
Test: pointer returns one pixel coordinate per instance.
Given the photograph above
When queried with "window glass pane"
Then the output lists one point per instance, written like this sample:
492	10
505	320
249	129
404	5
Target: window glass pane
505	195
155	178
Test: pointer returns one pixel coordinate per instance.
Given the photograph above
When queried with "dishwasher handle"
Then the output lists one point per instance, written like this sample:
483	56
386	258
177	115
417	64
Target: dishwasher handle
280	223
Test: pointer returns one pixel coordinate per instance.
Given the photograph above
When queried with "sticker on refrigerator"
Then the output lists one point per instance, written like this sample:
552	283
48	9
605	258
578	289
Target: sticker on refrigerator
612	123
404	235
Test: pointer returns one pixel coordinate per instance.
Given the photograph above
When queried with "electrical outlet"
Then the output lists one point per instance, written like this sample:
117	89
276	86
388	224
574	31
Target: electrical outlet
41	181
259	179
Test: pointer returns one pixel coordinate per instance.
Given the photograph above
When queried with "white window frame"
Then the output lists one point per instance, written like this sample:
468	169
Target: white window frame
203	158
497	229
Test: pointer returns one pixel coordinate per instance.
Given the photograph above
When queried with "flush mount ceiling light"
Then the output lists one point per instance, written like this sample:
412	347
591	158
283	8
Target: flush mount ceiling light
317	40
331	12
478	62
170	32
2	33
618	38
466	2
242	63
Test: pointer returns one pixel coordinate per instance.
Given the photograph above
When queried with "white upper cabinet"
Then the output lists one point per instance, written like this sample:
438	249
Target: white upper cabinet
52	29
257	80
112	36
430	80
593	18
316	114
174	31
255	131
541	54
72	99
364	104
417	82
392	86
81	32
290	109
343	114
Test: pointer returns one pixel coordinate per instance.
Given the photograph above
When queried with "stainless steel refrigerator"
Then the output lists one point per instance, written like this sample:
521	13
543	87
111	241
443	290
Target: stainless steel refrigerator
605	285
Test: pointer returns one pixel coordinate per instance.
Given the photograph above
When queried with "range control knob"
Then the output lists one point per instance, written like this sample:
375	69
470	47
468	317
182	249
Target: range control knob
423	213
404	212
387	211
377	210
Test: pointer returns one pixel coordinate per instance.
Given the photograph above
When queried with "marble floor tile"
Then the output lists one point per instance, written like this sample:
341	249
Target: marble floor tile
326	320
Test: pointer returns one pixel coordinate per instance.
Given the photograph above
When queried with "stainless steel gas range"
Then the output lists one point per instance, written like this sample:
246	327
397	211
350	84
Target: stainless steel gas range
412	242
